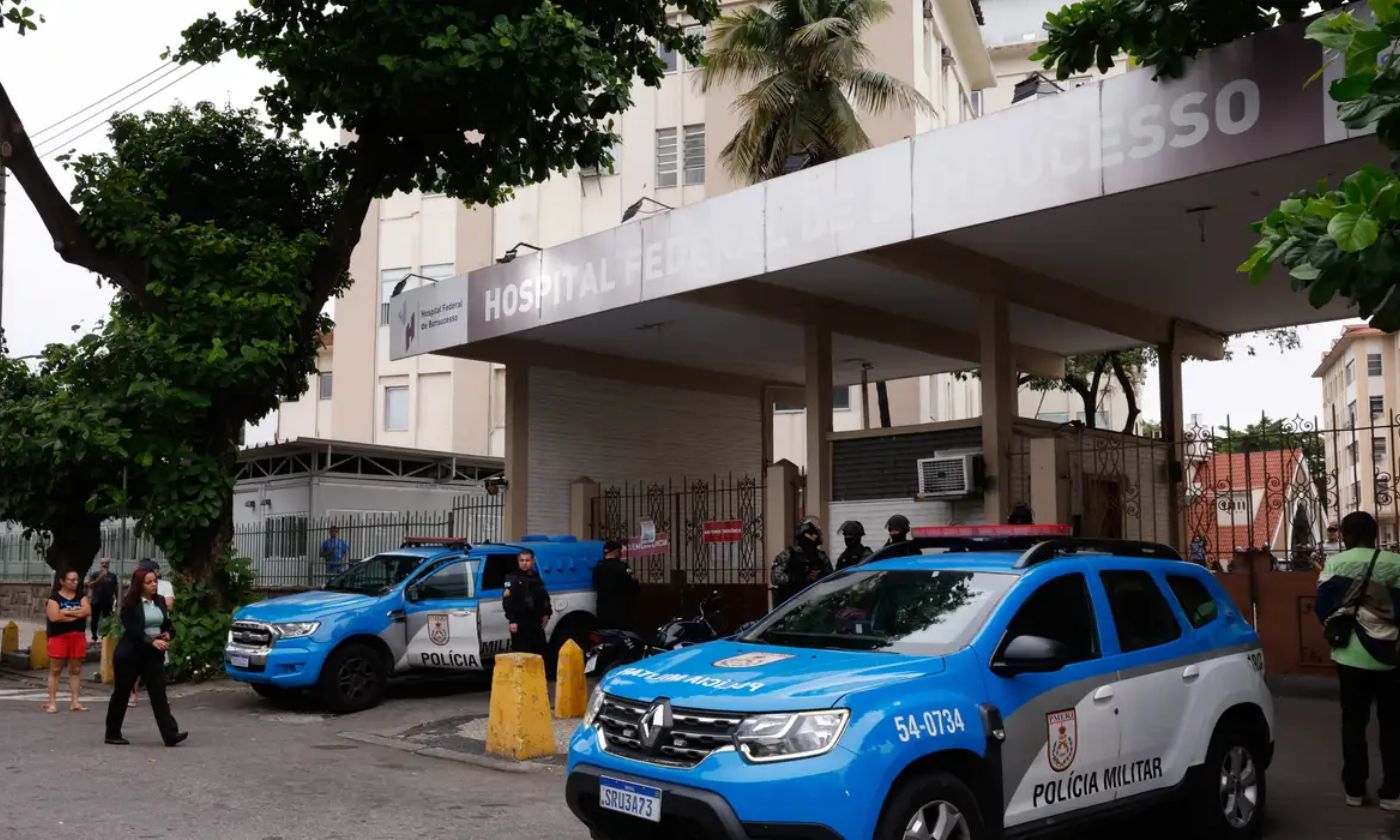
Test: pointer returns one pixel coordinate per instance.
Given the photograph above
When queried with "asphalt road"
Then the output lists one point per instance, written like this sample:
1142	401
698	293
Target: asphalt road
251	771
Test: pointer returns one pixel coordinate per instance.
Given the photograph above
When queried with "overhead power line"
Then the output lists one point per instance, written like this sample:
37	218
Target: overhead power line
52	148
38	135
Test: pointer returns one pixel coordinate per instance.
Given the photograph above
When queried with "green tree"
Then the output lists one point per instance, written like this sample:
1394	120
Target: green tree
15	13
226	243
811	72
1341	239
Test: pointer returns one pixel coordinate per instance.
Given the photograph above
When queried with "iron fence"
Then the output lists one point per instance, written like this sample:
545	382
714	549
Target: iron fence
285	552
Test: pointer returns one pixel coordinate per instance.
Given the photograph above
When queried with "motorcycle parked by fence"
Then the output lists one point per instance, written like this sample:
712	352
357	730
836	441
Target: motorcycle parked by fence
612	648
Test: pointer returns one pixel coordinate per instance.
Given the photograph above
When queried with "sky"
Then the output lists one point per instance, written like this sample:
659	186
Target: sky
89	48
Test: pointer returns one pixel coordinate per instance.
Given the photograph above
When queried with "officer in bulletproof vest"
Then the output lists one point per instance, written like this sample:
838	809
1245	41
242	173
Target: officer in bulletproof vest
527	606
856	551
898	544
802	563
616	588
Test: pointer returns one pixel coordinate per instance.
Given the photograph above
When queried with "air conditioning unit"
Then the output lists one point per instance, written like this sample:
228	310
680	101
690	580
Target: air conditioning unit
949	476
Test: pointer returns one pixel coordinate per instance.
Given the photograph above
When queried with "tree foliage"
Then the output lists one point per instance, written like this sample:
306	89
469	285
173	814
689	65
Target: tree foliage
811	71
18	15
1341	239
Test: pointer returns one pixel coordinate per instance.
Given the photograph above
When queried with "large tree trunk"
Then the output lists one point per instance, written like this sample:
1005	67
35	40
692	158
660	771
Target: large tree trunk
1126	383
76	541
209	549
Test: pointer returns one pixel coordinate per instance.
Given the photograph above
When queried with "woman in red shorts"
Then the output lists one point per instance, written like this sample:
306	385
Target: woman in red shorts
67	612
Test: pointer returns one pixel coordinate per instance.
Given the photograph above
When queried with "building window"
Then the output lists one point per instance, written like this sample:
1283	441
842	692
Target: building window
1351	371
396	409
1373	364
437	271
1378	450
841	399
388	279
691	32
695	154
326	386
1377	407
1351	414
668	57
665	157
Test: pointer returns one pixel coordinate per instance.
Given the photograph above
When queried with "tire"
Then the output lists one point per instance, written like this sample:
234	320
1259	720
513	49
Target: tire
1227	800
353	679
938	798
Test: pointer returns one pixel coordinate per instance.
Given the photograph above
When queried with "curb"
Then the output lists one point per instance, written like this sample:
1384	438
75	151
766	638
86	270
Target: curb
499	765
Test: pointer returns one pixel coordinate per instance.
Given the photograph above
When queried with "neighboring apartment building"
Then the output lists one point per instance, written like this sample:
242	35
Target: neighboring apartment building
669	152
1360	376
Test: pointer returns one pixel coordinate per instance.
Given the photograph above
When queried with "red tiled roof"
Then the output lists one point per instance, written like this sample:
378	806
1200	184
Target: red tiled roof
1273	472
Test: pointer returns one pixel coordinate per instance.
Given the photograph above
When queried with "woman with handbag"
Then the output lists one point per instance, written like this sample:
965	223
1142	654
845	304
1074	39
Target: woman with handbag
1356	596
146	633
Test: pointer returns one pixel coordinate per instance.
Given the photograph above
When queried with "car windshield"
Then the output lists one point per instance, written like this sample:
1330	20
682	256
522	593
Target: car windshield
912	612
376	575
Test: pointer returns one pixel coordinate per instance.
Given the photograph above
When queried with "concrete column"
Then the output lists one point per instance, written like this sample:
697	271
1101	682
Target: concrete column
516	513
582	494
779	509
818	387
1049	492
1173	435
998	380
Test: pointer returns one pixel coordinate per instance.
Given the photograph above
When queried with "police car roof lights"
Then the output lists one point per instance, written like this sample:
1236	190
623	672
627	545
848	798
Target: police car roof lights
442	542
1050	549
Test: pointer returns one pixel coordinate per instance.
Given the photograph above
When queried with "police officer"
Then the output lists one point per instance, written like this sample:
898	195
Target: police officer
802	563
898	529
856	551
527	606
1021	515
616	588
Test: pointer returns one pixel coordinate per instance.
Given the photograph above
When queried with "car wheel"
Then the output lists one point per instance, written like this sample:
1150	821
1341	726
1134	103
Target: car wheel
935	806
1230	795
353	679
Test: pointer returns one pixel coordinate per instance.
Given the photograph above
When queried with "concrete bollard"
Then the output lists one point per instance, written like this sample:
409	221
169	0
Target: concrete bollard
39	651
9	638
570	688
107	669
519	726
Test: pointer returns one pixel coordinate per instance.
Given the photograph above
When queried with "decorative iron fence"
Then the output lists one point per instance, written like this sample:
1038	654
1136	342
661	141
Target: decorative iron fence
285	552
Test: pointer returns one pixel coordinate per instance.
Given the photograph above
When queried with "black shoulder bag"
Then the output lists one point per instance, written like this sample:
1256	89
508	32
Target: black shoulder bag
1340	625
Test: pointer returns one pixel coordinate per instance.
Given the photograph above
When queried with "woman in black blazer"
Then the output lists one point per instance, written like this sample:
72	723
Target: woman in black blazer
146	634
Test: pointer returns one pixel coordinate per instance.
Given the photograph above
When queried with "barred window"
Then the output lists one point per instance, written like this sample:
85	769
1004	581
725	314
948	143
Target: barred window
695	154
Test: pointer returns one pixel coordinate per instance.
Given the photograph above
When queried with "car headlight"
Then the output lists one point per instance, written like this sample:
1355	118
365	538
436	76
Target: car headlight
779	737
296	629
595	705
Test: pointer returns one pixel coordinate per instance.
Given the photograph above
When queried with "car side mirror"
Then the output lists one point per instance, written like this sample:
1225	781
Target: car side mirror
412	593
1031	655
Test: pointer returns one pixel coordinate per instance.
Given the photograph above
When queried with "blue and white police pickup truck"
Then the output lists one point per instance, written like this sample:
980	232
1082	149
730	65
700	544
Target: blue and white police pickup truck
967	691
435	604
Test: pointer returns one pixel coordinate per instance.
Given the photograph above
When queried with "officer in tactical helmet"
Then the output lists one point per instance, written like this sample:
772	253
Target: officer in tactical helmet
856	551
800	564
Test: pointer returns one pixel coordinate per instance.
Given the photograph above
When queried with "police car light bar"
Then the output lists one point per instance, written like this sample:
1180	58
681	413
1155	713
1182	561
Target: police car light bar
993	531
446	542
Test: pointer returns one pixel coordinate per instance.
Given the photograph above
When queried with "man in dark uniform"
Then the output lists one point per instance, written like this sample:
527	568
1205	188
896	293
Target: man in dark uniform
802	563
856	551
898	544
613	581
527	606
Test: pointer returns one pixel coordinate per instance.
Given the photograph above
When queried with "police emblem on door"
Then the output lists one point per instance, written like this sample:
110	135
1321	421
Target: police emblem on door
438	633
1062	739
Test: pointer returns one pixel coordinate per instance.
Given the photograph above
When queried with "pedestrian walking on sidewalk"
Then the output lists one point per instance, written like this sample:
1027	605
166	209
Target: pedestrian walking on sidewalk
527	606
67	612
146	634
1356	597
102	594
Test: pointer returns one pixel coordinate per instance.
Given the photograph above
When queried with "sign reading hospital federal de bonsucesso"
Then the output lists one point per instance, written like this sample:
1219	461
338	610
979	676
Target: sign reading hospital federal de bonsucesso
1236	104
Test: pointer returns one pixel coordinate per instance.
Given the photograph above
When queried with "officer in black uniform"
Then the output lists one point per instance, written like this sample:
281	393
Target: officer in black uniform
802	563
898	544
527	606
856	551
616	588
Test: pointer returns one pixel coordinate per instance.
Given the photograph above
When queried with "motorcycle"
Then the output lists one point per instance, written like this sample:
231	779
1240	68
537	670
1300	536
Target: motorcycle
612	648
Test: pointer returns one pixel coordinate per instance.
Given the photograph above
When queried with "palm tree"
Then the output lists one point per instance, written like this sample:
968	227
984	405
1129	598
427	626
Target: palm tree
810	67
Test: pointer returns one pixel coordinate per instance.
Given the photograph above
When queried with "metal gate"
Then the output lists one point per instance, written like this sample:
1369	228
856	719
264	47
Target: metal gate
708	537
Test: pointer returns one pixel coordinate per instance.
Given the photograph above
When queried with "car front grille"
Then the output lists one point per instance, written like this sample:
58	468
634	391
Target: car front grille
252	634
696	733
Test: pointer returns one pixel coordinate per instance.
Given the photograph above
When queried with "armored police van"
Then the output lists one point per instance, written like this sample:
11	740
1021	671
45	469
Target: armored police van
973	689
435	604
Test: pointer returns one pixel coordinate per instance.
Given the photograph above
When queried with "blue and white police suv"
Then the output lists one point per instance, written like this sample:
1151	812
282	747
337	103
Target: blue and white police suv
969	690
434	604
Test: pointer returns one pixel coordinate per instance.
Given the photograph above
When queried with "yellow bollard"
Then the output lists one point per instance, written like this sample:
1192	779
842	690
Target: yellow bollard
9	638
39	651
109	650
570	688
519	726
